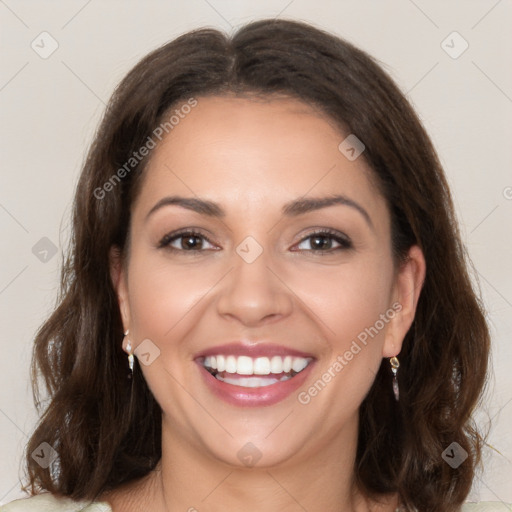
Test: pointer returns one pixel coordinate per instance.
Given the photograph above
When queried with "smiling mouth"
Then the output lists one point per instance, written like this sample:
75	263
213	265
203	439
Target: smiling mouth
249	372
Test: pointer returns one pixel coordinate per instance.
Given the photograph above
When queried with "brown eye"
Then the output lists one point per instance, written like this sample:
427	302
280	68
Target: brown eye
187	241
322	242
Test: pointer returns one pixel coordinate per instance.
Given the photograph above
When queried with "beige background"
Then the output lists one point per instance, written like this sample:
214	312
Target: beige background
50	108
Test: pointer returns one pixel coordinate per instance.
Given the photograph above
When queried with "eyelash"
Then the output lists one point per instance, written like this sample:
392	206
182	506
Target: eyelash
343	240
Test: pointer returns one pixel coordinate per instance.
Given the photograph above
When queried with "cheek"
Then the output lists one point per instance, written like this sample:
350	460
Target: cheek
347	298
165	307
162	295
355	306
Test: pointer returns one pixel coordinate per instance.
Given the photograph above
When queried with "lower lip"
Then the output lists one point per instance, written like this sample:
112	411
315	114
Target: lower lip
254	397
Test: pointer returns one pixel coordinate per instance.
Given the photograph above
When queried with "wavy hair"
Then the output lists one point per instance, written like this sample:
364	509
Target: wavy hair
102	442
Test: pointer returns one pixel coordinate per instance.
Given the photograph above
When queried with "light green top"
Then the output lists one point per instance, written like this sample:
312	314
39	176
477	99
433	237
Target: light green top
46	502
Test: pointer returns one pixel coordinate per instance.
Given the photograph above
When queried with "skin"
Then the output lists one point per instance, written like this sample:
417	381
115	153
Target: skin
251	157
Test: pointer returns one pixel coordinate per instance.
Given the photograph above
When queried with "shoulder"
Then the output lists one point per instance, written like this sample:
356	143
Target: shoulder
487	506
47	502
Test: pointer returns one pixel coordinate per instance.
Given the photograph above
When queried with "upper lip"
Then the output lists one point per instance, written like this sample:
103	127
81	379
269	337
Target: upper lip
254	349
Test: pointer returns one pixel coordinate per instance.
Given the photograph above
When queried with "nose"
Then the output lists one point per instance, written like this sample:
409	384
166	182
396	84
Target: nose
254	293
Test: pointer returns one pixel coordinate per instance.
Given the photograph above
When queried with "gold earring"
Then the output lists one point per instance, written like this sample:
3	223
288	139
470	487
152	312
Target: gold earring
395	364
130	353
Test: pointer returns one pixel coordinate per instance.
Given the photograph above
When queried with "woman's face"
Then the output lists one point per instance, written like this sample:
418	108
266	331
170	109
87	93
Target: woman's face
273	277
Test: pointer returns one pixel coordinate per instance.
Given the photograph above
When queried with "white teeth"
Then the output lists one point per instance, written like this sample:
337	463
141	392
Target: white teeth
299	364
262	366
276	365
244	365
252	382
210	362
221	363
231	364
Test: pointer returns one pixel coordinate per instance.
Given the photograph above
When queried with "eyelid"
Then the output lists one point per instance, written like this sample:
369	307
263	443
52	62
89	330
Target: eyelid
171	237
338	236
341	238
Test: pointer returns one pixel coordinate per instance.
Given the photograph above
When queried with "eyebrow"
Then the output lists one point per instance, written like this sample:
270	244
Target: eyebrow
291	209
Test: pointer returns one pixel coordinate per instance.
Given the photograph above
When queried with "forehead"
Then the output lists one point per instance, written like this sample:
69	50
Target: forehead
255	153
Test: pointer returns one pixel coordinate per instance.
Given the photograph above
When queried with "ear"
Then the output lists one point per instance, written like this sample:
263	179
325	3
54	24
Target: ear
119	282
408	284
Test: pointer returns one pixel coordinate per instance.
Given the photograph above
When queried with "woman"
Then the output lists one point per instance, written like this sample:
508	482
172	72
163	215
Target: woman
266	304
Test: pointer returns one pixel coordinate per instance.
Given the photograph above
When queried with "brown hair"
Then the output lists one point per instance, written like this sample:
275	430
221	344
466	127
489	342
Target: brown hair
101	441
